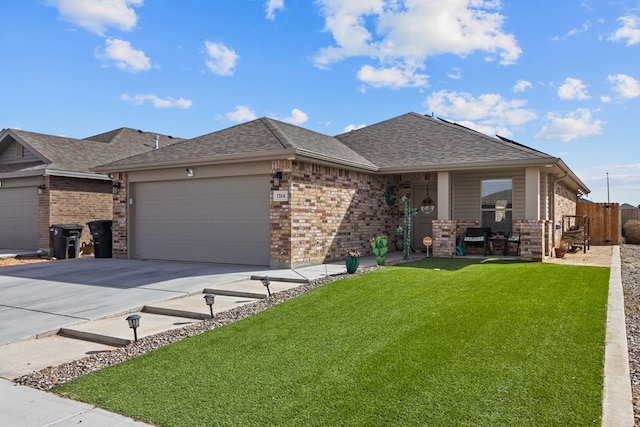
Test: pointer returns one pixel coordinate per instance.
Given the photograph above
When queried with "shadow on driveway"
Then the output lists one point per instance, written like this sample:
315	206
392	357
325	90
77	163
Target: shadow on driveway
120	273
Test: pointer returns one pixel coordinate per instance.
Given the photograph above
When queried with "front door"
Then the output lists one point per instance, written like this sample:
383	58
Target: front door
424	199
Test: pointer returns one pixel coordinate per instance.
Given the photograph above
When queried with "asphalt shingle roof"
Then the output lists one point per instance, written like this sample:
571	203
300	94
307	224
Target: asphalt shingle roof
410	141
260	136
81	155
414	140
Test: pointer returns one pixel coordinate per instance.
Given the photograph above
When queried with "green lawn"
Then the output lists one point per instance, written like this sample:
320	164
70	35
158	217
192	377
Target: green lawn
439	342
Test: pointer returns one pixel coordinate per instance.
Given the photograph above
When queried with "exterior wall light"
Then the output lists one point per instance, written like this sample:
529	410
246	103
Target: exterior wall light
190	172
134	322
276	179
265	281
208	298
40	189
115	188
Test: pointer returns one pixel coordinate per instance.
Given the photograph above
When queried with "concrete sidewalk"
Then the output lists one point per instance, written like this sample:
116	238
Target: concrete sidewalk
169	295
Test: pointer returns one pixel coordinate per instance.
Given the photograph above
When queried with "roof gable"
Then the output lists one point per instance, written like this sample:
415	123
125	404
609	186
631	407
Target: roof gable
252	140
49	154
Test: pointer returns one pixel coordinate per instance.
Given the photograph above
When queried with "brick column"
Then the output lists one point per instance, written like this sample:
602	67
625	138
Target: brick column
444	237
531	239
120	218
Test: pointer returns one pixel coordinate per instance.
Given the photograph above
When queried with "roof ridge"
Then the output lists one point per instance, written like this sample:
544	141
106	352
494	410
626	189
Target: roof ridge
271	124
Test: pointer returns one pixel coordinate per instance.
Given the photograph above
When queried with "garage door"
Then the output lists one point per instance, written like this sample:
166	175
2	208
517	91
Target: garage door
18	218
222	220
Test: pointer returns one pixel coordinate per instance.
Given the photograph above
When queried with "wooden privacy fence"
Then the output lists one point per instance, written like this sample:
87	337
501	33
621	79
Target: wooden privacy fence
604	222
628	214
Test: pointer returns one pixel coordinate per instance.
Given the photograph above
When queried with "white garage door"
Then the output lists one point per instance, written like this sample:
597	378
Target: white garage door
18	218
222	220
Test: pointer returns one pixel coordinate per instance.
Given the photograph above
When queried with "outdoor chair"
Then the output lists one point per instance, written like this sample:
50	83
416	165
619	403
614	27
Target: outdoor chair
477	237
513	240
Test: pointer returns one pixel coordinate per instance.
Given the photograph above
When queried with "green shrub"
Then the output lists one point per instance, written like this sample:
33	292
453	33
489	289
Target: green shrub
631	231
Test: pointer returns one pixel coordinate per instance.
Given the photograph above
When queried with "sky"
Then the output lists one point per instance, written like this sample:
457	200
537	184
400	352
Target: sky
562	77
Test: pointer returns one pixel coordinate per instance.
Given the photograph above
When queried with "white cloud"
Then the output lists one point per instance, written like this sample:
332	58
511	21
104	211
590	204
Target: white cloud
522	85
625	86
391	77
573	89
272	6
297	117
349	128
402	34
126	57
585	27
630	30
156	101
488	113
576	124
242	113
455	73
220	59
98	15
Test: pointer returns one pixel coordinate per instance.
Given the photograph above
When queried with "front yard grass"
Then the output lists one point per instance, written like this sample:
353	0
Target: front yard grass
435	342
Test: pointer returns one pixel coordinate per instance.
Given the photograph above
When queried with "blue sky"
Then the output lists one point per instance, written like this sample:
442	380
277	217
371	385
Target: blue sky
562	77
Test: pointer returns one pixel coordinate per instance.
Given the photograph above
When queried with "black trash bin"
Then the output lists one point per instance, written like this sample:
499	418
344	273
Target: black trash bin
102	235
66	240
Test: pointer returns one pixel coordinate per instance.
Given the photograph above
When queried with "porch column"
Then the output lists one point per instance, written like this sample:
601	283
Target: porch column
532	194
444	196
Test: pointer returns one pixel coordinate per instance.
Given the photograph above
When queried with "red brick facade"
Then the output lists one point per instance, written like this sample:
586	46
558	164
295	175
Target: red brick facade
72	201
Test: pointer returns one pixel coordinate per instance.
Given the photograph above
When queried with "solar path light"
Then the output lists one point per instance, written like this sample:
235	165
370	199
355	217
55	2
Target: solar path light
208	298
265	281
134	322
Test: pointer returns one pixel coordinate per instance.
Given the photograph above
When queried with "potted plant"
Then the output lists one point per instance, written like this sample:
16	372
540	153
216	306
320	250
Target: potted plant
353	261
379	245
562	250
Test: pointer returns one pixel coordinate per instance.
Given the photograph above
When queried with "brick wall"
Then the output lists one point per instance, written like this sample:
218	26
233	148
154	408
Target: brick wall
334	210
531	239
44	215
444	238
280	218
74	201
331	211
120	215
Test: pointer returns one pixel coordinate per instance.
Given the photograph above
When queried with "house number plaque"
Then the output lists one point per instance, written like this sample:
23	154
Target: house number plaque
280	196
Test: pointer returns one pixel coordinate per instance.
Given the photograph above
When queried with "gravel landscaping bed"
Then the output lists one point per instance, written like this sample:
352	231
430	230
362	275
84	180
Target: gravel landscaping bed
630	270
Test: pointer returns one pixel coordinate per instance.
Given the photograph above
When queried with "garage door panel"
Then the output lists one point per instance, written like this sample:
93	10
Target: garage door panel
19	218
210	220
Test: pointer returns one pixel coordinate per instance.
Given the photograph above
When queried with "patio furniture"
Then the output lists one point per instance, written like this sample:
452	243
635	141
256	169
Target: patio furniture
513	240
498	243
477	237
575	232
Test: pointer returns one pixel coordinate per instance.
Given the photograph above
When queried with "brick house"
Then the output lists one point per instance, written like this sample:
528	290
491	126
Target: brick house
270	193
46	180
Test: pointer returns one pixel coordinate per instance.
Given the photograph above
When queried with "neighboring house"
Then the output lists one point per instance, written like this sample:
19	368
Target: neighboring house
47	180
270	193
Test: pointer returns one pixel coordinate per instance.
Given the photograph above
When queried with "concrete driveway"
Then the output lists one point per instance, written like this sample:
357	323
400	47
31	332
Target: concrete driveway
38	299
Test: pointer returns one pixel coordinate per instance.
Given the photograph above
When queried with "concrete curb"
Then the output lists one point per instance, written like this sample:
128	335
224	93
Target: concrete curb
617	401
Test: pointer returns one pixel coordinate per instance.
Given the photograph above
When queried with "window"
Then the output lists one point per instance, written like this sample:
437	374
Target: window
497	205
19	151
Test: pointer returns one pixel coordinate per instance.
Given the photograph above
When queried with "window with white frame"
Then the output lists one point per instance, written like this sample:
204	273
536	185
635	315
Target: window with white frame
497	205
